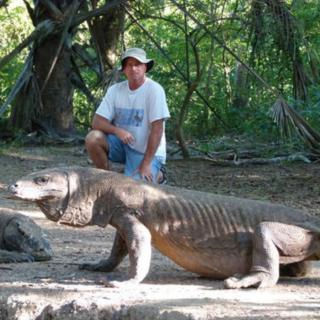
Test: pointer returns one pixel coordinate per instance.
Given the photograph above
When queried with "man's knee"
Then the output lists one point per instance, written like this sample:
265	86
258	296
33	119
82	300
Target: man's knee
95	138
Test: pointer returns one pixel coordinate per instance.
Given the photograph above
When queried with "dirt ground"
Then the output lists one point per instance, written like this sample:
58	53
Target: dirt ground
58	290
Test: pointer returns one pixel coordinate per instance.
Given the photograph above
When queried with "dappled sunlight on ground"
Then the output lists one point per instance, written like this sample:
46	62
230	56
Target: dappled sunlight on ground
168	292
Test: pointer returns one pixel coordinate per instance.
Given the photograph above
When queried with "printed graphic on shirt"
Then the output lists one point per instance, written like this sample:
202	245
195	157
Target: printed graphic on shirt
128	117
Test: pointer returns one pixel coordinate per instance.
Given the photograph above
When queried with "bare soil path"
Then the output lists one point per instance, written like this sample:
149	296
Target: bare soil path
58	290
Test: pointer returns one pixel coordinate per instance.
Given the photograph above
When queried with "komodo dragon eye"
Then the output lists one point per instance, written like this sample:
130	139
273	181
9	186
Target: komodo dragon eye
41	180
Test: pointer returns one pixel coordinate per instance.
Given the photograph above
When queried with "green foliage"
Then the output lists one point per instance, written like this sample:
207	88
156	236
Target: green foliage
171	38
15	26
230	22
83	111
310	110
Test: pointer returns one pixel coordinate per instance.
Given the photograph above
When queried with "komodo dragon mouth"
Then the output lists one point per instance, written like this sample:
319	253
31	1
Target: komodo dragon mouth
30	194
40	187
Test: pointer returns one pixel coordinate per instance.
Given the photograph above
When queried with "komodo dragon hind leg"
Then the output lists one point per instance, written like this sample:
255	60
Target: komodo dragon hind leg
118	252
298	269
271	241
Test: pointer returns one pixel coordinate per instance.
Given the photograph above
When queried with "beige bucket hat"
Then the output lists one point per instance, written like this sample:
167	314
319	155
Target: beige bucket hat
138	54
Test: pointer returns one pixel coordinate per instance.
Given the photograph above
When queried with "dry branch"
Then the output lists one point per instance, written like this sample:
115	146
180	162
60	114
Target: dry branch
258	161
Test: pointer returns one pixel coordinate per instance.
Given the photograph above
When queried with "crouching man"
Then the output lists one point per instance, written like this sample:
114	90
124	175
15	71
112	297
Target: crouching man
129	125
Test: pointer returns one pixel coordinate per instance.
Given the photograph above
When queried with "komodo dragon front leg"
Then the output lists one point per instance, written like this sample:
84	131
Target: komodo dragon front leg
118	252
273	243
132	238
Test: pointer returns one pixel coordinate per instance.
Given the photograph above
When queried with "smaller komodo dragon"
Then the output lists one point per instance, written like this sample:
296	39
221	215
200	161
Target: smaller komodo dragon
239	240
21	239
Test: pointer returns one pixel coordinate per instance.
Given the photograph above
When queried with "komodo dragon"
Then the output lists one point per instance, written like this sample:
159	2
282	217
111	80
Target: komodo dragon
241	241
21	240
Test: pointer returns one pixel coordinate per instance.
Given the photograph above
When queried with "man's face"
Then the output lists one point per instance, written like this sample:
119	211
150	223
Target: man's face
134	69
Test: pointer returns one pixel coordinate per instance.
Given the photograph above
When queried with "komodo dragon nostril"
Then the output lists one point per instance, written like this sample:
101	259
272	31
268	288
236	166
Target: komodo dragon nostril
12	188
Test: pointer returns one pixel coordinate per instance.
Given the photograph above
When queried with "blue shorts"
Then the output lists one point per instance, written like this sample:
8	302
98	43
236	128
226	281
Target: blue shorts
122	153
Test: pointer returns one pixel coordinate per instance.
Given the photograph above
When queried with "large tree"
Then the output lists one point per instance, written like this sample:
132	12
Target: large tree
44	99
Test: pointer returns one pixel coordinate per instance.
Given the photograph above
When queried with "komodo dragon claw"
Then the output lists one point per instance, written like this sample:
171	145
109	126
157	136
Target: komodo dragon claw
116	283
254	279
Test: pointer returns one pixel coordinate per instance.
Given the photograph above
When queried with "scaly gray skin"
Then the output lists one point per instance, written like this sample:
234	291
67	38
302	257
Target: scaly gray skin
241	241
21	240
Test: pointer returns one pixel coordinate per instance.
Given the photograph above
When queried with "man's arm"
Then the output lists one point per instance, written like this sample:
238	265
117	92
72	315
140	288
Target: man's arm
152	146
102	124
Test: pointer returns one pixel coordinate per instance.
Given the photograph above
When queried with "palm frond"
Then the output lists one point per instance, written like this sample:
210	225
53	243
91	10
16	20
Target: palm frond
21	81
287	118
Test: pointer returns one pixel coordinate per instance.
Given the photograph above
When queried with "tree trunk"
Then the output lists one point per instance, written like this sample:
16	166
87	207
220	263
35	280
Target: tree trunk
46	108
45	104
106	31
240	99
56	111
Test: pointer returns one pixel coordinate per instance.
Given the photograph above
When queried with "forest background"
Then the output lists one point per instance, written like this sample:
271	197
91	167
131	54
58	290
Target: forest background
229	67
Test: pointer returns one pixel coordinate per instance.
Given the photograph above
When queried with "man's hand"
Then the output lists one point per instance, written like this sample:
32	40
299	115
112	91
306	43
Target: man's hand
104	125
145	172
125	136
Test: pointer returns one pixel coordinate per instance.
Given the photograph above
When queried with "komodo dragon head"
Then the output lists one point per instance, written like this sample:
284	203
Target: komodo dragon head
21	234
48	188
71	195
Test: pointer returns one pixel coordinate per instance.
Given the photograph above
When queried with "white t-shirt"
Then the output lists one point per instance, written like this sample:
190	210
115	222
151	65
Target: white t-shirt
135	110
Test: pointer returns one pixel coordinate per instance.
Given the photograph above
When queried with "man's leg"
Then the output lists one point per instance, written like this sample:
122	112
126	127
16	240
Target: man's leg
98	149
102	148
134	159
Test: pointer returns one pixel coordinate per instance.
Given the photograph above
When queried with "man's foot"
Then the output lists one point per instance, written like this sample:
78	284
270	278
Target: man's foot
162	175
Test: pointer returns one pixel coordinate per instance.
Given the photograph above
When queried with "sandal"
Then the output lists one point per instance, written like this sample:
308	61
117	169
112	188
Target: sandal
162	179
